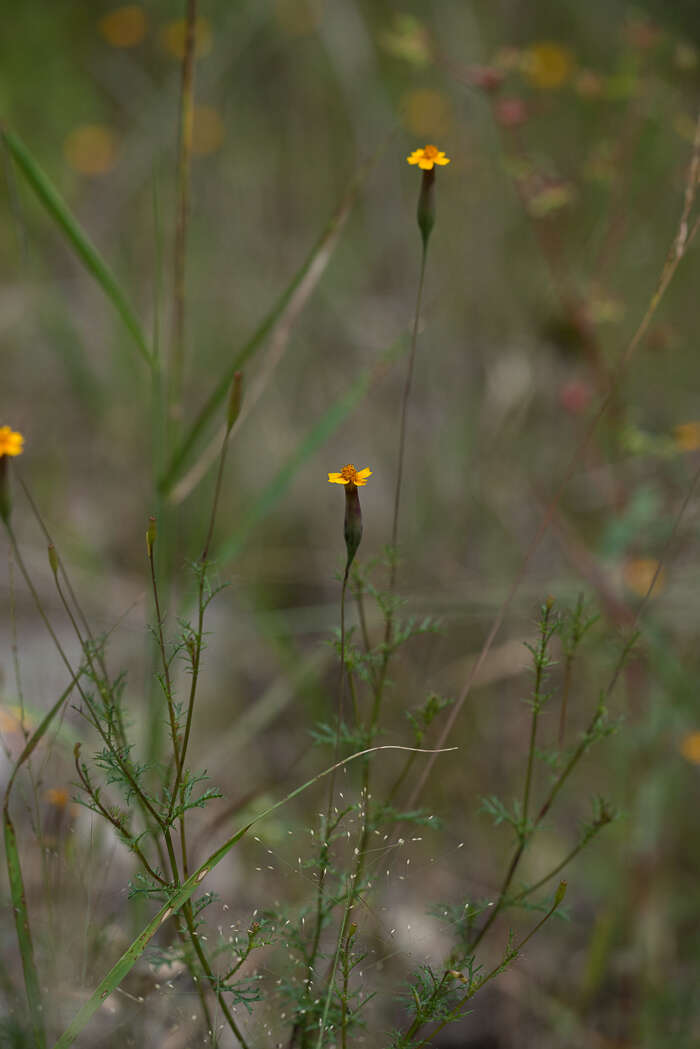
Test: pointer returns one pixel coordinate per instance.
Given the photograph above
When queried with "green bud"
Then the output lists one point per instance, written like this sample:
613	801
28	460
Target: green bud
151	534
426	205
353	522
5	503
53	559
561	893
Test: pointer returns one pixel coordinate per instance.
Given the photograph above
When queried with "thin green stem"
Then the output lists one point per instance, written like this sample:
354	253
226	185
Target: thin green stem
182	210
198	642
510	955
402	426
211	977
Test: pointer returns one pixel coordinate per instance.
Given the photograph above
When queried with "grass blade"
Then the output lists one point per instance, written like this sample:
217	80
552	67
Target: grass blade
14	874
320	432
117	973
82	245
24	937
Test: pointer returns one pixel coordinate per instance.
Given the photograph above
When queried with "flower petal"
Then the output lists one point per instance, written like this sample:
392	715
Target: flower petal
442	159
336	478
426	165
364	473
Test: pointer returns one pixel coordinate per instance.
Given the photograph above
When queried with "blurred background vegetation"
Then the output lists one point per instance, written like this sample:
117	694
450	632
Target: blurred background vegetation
570	127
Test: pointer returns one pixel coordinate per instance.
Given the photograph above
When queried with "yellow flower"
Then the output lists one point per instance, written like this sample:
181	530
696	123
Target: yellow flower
11	442
349	475
172	37
638	574
687	436
548	65
427	157
57	796
690	747
91	149
125	26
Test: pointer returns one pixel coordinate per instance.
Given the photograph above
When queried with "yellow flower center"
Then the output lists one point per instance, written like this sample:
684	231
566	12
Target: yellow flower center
349	473
430	152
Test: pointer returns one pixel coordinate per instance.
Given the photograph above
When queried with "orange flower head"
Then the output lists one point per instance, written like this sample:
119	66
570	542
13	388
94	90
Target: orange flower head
349	475
427	157
11	442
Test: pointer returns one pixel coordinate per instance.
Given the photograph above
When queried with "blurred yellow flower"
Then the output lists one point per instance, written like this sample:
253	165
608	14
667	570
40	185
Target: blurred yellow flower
349	475
125	26
11	442
172	37
57	797
638	574
91	149
208	132
427	111
548	65
690	747
427	157
11	720
686	436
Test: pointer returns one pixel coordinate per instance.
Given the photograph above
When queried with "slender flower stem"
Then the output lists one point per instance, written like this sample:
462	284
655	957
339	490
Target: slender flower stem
402	426
183	207
164	658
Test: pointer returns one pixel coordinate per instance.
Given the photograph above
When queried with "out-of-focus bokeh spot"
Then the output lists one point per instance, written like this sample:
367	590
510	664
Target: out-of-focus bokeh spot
548	65
407	38
91	149
642	33
57	796
208	132
11	720
575	396
547	196
686	436
299	17
638	573
173	35
604	309
509	59
690	747
124	26
427	112
589	84
511	112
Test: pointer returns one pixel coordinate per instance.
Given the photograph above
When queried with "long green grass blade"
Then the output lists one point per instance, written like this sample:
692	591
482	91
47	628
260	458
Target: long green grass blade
24	937
117	973
81	243
14	874
245	354
314	439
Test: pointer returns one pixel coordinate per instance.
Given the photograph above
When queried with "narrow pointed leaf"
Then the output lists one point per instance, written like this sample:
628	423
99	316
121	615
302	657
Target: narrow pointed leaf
78	238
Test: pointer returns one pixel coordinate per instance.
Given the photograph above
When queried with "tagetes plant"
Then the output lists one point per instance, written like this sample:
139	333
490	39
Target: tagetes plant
11	442
350	475
427	157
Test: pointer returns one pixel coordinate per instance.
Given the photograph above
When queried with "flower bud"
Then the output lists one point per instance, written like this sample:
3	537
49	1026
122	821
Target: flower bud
53	559
426	205
5	502
151	534
353	522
